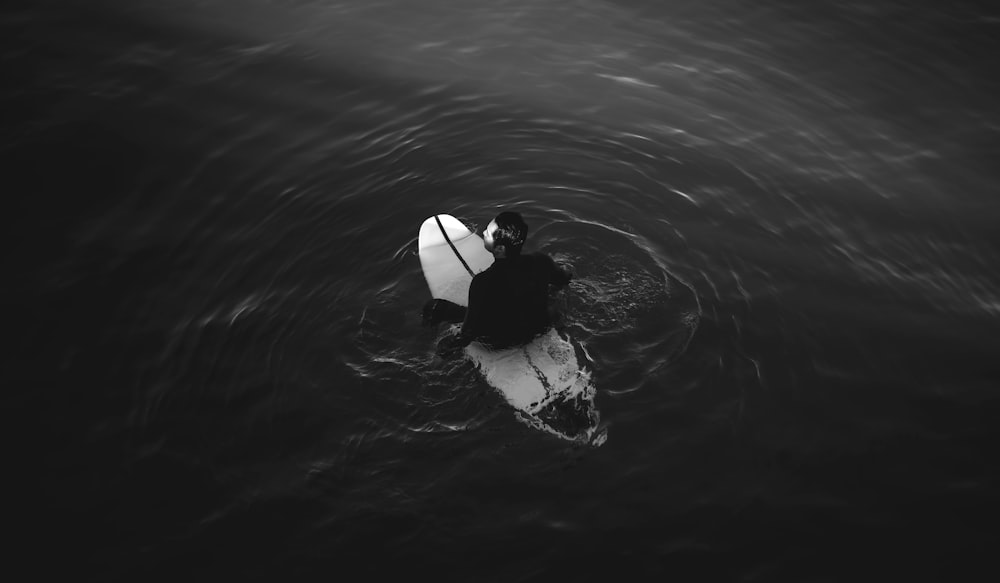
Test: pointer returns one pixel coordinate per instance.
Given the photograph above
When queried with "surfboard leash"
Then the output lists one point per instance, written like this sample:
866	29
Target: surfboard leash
452	245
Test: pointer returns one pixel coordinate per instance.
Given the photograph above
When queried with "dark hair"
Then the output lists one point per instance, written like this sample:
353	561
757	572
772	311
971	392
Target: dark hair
511	232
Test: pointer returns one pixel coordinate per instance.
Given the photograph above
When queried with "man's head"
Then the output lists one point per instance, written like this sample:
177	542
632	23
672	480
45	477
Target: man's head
505	234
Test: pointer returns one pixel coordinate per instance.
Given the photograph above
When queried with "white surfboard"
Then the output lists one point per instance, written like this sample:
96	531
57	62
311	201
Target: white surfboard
544	379
446	276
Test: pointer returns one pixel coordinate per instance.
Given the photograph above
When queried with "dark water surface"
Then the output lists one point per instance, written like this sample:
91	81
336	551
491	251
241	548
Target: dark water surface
783	218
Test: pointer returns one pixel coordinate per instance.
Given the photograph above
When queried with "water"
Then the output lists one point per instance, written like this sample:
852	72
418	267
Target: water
782	222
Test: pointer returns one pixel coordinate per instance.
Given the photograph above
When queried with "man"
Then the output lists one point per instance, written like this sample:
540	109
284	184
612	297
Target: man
508	303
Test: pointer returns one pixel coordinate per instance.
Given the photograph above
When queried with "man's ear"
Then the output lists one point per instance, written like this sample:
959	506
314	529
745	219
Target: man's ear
500	250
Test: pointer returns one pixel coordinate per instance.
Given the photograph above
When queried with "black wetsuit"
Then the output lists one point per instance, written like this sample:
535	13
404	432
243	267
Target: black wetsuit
508	303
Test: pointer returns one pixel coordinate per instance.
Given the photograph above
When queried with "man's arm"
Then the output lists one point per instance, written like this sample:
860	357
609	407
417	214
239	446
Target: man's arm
557	276
473	314
437	310
451	346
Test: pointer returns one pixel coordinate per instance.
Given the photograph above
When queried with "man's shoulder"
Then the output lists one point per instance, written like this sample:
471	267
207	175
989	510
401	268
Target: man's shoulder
545	266
543	262
539	258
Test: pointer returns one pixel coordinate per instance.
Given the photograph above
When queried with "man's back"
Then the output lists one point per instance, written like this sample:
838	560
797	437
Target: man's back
508	303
